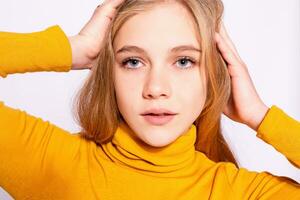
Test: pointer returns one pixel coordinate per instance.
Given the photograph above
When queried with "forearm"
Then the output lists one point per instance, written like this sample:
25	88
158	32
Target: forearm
282	132
258	117
47	50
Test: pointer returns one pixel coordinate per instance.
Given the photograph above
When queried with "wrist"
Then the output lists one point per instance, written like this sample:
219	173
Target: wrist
258	117
80	58
75	53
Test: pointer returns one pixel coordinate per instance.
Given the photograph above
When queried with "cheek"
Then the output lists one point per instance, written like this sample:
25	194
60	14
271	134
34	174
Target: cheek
193	91
127	91
126	81
195	97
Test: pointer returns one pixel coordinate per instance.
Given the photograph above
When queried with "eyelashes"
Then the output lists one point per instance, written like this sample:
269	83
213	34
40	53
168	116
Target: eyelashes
135	61
129	60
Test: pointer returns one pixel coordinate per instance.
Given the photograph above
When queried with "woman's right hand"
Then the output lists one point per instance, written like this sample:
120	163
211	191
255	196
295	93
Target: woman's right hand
88	42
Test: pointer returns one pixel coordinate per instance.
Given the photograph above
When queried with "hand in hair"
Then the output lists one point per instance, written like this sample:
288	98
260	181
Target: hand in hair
244	105
88	42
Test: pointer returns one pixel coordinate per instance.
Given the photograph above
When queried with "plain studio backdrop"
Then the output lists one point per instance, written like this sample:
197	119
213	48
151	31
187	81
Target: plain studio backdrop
267	36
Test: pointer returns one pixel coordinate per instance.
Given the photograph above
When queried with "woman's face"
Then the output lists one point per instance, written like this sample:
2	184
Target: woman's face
160	74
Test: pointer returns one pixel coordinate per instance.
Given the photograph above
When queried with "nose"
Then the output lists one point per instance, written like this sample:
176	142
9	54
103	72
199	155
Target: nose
157	85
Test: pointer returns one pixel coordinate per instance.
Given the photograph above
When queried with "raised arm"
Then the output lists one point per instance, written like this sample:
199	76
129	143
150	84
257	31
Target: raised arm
245	106
28	144
47	50
33	151
271	124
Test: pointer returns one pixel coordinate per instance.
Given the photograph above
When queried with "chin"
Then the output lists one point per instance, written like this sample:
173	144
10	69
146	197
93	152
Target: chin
158	144
159	140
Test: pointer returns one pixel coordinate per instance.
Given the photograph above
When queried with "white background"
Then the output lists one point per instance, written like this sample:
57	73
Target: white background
266	33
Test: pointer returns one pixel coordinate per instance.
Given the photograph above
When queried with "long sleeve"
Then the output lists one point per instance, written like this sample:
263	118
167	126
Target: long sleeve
31	148
283	133
42	161
47	50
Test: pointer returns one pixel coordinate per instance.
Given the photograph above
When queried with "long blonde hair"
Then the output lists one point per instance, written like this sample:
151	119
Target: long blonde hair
96	106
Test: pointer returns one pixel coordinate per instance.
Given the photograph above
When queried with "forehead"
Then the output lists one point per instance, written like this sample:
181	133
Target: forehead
159	28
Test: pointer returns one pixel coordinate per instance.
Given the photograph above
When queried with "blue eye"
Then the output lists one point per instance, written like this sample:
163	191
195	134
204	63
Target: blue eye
130	60
186	60
134	62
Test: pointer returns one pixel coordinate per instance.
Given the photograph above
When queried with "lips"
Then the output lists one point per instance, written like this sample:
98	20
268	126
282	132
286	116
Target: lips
158	112
158	116
161	114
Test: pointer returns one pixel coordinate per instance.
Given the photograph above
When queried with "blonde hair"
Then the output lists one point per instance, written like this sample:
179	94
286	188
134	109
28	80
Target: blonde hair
96	106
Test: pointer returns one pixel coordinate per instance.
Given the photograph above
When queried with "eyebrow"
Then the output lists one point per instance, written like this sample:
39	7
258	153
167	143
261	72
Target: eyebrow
128	48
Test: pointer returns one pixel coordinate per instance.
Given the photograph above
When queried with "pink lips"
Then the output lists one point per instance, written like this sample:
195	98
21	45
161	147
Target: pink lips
158	116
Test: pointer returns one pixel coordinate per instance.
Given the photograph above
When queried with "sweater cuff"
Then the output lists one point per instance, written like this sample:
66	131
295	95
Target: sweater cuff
270	122
62	49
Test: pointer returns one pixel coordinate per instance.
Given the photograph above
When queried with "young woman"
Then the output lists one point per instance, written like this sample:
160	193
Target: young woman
149	111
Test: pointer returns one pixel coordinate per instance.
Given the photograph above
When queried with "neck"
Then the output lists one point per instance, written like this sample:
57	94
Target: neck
128	150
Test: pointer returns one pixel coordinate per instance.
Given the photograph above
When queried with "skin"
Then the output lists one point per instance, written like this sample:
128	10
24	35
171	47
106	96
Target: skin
245	105
159	78
87	43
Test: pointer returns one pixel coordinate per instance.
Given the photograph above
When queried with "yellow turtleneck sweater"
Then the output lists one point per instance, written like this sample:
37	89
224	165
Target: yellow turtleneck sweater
39	160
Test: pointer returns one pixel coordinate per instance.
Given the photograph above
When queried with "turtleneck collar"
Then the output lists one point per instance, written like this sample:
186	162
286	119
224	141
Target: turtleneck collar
128	150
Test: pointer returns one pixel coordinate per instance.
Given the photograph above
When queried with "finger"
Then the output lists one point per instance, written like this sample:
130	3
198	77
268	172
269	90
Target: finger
226	51
109	7
101	18
113	3
223	32
228	40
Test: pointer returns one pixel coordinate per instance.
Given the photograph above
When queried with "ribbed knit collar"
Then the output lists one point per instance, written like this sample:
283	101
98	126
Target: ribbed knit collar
128	150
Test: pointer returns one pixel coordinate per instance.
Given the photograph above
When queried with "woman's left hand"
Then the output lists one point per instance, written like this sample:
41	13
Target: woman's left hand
244	105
